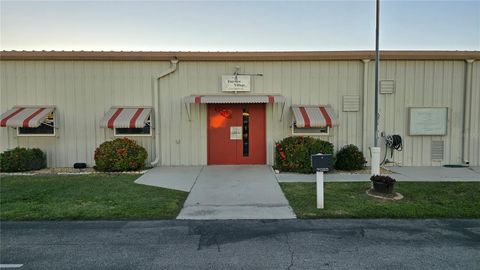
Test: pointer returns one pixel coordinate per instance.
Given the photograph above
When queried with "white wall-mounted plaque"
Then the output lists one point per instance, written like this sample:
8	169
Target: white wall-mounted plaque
235	133
232	83
428	121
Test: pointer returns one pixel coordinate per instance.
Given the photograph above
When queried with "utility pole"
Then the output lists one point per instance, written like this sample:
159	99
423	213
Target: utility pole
375	150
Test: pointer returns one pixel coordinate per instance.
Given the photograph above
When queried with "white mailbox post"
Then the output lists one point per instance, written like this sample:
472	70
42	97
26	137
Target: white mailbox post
320	163
320	189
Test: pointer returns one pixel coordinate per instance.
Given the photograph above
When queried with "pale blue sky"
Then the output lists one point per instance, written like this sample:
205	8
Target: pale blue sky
238	26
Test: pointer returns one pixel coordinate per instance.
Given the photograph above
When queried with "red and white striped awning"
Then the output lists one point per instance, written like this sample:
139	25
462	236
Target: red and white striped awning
314	116
126	117
232	99
25	116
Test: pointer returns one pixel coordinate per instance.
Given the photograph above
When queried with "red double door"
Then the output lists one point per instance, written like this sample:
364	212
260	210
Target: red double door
236	134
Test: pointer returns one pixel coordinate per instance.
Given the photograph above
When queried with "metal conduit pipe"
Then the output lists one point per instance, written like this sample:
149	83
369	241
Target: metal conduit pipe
467	108
156	105
364	105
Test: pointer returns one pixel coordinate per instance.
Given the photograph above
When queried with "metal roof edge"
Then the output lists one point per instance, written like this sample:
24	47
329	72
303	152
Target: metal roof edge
235	56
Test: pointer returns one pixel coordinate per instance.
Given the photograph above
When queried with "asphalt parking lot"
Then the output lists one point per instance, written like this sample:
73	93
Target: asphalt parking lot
253	244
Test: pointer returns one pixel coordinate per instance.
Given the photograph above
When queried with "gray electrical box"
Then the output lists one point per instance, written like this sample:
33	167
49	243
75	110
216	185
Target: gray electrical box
321	162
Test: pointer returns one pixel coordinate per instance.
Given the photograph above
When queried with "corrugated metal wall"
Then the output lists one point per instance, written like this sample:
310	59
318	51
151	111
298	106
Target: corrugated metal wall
475	116
421	84
84	90
82	93
300	82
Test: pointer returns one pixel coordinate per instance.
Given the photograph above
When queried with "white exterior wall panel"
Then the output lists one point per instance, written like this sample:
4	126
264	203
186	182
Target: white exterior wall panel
84	90
299	82
475	116
421	84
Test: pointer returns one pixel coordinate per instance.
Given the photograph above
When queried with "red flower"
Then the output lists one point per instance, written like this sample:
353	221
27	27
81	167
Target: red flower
121	151
280	150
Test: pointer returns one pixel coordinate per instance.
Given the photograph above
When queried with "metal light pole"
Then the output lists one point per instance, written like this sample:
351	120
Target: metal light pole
377	66
375	150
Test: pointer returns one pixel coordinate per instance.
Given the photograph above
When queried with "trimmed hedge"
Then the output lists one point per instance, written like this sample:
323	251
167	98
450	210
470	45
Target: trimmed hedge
22	160
350	158
293	153
120	155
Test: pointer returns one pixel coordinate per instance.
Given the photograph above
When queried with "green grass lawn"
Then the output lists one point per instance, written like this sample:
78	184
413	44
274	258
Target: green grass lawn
421	200
85	197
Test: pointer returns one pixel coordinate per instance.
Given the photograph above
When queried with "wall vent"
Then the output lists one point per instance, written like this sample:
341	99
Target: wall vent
387	86
351	103
437	150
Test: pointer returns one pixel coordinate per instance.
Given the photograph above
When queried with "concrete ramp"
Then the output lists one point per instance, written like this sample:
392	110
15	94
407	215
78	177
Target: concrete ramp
179	177
236	192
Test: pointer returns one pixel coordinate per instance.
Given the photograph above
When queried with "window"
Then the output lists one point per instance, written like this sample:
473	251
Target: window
46	128
313	120
324	131
245	132
145	131
128	121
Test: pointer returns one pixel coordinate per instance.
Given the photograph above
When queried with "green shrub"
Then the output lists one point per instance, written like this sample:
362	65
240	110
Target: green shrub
22	159
120	155
293	153
350	158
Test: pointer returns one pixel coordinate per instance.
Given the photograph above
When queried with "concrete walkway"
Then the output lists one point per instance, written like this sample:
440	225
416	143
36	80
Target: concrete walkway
179	178
437	174
406	174
328	177
236	192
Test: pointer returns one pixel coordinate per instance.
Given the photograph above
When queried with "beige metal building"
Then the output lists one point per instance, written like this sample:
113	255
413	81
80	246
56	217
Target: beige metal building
68	103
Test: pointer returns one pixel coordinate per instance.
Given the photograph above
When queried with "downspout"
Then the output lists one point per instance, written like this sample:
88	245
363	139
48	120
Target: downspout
156	105
364	104
467	108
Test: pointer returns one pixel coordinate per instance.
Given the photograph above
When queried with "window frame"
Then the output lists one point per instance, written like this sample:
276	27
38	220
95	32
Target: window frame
327	133
53	125
150	134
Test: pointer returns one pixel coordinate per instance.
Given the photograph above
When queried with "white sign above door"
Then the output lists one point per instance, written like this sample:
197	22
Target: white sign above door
238	83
